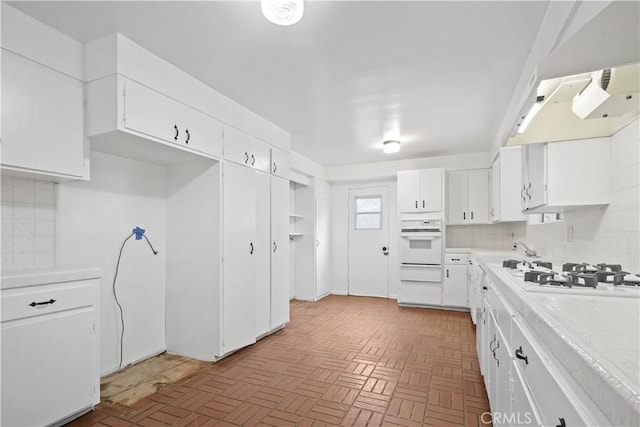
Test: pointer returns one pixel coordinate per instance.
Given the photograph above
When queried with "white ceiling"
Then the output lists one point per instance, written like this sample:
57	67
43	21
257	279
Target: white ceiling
442	72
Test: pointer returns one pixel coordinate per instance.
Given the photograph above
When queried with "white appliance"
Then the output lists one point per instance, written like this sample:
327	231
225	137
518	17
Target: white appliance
421	250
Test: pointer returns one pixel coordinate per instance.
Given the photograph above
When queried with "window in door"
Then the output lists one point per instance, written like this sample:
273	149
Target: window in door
368	213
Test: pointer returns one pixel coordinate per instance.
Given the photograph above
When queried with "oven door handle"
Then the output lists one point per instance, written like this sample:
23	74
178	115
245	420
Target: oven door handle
421	237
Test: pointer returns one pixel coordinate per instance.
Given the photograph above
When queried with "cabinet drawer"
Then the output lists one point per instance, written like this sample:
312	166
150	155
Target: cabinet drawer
454	259
552	396
36	300
421	273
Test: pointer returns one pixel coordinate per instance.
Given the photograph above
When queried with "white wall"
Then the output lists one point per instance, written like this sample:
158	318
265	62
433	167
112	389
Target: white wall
93	218
602	233
340	233
28	223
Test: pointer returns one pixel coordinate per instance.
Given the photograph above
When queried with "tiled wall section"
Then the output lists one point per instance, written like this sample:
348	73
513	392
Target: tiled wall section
496	236
28	223
604	233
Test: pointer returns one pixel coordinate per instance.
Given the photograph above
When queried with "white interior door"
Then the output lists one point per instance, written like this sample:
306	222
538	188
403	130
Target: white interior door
279	251
369	242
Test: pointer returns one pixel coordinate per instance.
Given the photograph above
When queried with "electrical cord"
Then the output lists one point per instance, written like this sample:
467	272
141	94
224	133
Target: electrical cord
115	297
115	294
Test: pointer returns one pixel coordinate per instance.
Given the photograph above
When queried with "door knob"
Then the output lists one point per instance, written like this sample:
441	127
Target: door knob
385	251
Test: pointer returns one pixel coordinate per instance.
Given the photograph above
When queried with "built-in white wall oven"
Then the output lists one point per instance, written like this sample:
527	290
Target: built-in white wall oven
421	250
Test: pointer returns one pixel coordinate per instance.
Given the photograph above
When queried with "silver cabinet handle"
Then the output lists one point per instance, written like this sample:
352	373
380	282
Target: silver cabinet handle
186	141
527	191
246	158
524	199
253	160
275	247
416	204
471	214
275	167
317	243
251	251
175	137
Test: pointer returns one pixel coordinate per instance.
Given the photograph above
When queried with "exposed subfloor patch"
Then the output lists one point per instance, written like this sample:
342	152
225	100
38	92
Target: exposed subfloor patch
126	387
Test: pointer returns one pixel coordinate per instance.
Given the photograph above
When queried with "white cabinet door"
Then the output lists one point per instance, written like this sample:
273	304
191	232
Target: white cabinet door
408	191
262	253
430	190
280	163
522	404
457	197
478	190
454	293
494	208
151	113
47	367
245	149
279	252
502	361
537	175
239	207
42	119
322	247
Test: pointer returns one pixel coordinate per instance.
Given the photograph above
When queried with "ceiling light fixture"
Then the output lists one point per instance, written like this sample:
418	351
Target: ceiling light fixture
282	12
535	108
391	146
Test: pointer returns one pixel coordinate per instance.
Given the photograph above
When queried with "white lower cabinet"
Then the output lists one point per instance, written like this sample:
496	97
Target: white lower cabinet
526	385
50	371
280	274
225	261
240	252
420	292
454	288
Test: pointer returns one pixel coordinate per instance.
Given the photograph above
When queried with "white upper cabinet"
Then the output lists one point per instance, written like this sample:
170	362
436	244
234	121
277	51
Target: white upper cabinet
42	100
505	187
420	190
468	197
564	174
131	120
244	149
280	163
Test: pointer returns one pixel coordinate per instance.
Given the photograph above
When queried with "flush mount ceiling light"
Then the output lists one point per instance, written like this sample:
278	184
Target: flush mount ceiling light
282	12
391	146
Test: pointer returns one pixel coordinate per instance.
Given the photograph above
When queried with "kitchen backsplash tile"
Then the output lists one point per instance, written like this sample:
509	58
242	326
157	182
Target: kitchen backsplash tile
28	223
495	236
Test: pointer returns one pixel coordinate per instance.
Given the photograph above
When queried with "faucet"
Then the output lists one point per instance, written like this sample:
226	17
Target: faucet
527	251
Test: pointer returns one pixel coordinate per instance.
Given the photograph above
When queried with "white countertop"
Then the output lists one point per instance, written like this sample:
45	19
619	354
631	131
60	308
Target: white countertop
44	276
595	338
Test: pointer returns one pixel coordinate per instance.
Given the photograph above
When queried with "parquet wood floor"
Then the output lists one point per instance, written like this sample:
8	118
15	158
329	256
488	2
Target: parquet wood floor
347	361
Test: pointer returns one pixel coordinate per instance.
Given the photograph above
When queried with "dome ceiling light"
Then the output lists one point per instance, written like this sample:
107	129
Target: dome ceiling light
282	12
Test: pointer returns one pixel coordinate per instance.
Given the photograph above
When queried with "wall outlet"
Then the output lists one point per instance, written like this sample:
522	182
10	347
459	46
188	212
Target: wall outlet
569	233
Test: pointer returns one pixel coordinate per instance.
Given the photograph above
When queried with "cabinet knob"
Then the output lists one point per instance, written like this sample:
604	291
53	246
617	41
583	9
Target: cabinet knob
175	137
186	141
